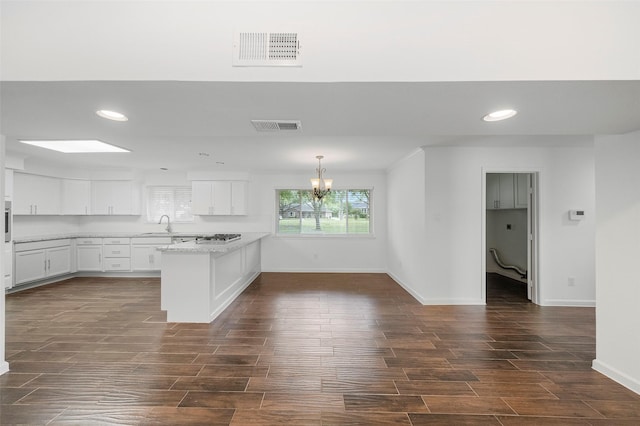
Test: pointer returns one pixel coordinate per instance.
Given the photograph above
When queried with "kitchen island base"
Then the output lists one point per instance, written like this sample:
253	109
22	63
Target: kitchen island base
197	285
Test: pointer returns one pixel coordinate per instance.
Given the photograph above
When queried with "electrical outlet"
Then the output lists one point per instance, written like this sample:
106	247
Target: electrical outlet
571	281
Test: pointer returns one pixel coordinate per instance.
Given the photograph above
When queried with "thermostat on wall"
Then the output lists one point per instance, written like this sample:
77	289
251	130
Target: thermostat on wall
576	214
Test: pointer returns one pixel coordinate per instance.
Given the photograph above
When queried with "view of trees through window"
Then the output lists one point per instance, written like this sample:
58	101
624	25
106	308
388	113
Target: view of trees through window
339	212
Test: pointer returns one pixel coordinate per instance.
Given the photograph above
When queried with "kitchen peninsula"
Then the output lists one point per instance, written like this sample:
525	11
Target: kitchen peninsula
199	279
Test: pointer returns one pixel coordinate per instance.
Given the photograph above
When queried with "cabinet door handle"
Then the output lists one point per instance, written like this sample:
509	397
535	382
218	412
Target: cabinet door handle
49	264
99	258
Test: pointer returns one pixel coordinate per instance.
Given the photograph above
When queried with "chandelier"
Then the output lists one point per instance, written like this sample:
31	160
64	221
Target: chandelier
321	186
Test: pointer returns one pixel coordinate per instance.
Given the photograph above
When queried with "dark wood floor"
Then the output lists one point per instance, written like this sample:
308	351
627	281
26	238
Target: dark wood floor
298	349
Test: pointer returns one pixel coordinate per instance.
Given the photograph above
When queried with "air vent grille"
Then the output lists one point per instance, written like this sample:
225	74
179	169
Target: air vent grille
260	49
276	125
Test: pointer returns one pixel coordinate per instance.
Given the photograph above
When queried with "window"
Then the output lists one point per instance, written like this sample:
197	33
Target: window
339	212
174	201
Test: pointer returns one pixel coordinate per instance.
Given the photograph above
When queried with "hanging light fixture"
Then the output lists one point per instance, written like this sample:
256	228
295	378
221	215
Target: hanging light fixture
321	186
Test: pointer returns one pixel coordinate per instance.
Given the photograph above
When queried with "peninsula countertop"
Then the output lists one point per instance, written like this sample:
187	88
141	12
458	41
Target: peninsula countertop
214	246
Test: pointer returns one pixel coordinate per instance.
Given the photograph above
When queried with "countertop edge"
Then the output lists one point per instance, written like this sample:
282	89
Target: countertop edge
39	238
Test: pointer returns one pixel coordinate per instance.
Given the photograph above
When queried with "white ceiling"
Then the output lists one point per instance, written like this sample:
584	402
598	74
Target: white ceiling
356	126
379	79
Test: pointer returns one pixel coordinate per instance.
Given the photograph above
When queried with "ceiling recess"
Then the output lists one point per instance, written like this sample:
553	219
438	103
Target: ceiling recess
276	125
264	49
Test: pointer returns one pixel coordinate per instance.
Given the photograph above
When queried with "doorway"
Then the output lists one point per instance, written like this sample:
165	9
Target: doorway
509	272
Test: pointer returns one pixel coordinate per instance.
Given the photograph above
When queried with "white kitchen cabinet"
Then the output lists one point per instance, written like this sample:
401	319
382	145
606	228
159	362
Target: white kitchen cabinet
39	260
239	198
144	253
145	258
89	254
8	184
76	197
522	190
219	198
8	265
36	195
30	266
116	253
500	191
114	198
58	261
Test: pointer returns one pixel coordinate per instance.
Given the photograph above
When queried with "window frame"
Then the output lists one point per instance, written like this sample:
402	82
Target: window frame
322	234
174	188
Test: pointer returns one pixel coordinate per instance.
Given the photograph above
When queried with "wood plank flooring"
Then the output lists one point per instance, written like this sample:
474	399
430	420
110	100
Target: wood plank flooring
302	349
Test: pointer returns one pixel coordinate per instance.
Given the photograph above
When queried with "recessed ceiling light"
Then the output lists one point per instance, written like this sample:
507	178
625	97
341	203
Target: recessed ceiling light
112	115
75	146
500	115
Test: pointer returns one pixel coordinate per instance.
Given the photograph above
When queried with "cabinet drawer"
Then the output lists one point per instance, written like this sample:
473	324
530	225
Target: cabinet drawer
116	250
117	264
88	241
116	240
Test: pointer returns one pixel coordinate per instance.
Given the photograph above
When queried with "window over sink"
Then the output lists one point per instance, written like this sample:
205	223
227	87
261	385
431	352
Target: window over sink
174	201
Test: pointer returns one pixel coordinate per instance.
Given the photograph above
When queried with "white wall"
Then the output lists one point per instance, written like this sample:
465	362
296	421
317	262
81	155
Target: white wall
454	251
325	253
617	254
341	41
406	210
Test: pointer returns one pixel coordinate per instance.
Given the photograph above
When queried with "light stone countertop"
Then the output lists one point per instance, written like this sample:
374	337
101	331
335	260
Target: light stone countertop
37	238
214	247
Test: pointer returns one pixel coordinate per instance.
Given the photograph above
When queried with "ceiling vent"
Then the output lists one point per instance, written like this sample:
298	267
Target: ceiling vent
266	50
276	125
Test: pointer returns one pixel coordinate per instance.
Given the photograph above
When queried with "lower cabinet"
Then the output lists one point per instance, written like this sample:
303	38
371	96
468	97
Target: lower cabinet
117	254
144	253
40	260
34	261
89	254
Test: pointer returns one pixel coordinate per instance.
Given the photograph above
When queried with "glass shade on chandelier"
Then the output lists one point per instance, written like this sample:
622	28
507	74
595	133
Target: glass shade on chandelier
321	186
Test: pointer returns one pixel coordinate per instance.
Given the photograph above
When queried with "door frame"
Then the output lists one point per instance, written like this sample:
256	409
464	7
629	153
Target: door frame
533	220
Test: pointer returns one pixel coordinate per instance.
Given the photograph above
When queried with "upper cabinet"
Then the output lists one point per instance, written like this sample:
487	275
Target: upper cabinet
219	197
521	182
507	191
36	195
76	197
44	195
8	184
239	198
117	197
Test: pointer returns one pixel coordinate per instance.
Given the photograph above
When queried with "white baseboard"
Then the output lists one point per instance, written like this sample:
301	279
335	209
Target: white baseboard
4	367
576	303
427	301
407	288
326	271
616	375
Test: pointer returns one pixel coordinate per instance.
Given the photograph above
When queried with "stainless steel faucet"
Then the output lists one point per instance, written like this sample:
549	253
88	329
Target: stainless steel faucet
168	228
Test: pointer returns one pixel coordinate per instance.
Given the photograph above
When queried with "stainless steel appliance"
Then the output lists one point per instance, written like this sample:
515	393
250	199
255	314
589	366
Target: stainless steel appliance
7	221
218	238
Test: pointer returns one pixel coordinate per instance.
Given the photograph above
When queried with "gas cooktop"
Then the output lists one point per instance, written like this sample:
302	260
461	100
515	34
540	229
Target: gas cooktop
218	238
